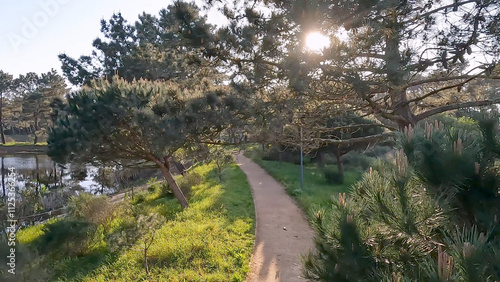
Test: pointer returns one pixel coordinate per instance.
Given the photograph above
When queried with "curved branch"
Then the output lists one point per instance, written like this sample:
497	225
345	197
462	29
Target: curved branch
439	90
446	108
456	3
375	137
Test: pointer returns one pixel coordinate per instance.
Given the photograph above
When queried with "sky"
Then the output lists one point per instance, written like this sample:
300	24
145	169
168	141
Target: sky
34	32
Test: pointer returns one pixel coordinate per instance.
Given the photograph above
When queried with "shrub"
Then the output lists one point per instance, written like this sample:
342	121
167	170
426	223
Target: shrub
430	216
356	159
138	198
275	153
152	188
97	210
332	176
70	237
188	181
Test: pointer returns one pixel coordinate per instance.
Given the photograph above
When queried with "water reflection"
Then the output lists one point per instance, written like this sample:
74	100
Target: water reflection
43	188
38	171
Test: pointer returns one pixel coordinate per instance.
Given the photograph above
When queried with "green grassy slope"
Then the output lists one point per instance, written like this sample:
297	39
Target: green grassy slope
210	241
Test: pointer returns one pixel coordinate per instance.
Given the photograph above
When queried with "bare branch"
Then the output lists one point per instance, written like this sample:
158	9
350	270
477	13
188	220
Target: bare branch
328	129
438	79
223	143
420	16
375	137
439	90
446	108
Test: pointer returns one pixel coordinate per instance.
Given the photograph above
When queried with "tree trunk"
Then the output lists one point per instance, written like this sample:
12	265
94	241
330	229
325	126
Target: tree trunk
37	175
396	77
219	170
61	177
171	181
340	165
55	174
146	259
3	179
321	160
35	129
102	181
402	109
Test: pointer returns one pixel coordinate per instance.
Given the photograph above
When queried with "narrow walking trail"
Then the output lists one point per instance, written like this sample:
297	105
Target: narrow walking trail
282	230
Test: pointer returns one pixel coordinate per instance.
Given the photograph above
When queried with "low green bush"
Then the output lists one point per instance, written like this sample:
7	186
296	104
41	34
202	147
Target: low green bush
97	210
188	181
358	160
138	198
67	237
332	176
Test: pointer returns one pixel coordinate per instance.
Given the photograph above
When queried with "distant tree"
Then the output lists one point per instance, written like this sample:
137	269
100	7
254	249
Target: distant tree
220	157
152	48
140	122
345	127
5	88
26	94
35	93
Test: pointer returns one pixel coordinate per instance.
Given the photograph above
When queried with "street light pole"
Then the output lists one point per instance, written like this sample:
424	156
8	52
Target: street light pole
301	162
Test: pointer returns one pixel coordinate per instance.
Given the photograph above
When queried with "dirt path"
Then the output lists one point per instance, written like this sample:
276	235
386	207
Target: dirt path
282	231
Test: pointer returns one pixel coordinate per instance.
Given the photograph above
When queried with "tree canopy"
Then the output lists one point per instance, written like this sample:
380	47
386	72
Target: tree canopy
140	121
5	88
152	48
25	102
392	60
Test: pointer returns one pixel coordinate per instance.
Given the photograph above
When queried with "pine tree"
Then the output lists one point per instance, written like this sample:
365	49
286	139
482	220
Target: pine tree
132	123
151	48
5	89
345	127
35	93
430	216
393	60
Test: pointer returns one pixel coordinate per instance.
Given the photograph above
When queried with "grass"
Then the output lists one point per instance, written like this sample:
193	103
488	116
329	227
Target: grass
317	192
210	241
27	235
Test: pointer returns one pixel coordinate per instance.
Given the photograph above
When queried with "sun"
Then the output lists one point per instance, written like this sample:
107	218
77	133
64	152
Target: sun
316	41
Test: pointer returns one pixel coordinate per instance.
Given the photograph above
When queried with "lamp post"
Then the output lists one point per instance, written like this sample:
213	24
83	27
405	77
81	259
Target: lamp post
301	162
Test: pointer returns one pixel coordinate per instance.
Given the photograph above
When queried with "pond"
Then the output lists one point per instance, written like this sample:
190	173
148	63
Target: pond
43	187
40	171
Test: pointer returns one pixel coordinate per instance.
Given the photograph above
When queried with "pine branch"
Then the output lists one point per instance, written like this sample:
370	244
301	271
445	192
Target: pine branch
455	107
375	137
447	78
460	84
420	16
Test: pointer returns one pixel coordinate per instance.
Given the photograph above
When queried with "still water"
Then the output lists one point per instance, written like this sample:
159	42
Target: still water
38	171
43	188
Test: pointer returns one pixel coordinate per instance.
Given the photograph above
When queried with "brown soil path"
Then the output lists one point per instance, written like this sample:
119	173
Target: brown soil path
282	230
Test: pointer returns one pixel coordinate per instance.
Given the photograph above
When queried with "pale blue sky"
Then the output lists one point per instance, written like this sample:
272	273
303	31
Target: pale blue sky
34	32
